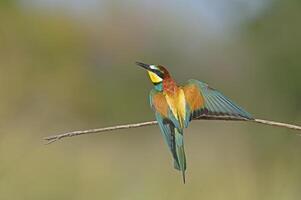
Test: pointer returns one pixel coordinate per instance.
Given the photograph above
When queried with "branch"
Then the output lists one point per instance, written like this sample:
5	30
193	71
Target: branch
54	138
278	124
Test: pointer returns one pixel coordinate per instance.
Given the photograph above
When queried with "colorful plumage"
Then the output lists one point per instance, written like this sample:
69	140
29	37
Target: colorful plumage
175	106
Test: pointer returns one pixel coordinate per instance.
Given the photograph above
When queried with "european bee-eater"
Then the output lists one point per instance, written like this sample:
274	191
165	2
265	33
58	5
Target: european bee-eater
175	106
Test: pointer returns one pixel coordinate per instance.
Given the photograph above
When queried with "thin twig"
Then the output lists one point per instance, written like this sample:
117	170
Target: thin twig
54	138
279	124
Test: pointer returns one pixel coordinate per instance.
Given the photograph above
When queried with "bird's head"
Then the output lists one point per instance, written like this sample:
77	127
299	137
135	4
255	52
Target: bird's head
157	73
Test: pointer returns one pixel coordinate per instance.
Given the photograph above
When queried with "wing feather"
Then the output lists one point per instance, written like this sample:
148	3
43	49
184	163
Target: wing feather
166	121
158	103
211	103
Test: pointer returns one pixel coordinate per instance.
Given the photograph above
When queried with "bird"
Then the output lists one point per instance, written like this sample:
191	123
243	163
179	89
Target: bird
176	106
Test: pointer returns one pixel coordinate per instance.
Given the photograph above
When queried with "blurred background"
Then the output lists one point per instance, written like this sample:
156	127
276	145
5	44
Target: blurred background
69	65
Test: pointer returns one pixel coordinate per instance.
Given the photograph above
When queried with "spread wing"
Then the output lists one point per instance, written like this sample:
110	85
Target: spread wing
205	102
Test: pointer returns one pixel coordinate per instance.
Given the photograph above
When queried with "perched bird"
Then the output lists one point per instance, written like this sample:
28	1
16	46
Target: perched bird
175	106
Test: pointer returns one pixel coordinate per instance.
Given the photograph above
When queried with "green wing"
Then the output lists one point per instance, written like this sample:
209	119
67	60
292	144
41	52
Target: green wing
214	105
172	135
167	127
168	132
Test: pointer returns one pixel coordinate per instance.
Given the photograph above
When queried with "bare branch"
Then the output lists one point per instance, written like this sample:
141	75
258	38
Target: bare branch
279	124
54	138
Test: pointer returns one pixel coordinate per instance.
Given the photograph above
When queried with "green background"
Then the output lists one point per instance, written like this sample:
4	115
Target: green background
62	72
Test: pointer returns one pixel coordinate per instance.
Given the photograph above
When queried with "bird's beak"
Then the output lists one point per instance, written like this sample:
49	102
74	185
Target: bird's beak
145	66
150	68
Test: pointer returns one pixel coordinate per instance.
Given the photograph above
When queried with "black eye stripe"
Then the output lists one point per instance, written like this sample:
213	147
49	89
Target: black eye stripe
159	73
157	83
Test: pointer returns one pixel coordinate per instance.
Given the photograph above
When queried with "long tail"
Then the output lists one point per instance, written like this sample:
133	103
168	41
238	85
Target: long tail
180	162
